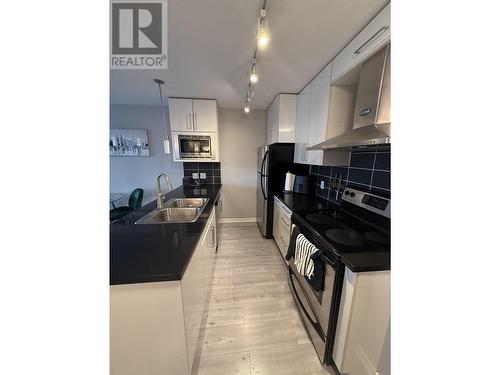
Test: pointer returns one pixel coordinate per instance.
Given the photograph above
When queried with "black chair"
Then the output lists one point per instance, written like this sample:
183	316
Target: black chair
134	202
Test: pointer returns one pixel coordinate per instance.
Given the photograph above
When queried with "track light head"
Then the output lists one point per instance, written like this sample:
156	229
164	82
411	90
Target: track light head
254	77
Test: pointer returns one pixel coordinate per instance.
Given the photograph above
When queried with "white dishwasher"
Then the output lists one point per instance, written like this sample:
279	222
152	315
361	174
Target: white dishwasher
281	225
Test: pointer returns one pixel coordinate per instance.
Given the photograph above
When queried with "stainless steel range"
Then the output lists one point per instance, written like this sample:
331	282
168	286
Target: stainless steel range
359	227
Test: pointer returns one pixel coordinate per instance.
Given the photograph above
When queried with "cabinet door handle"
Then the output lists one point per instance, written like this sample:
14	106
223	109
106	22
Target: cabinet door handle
212	244
372	38
283	220
195	121
286	209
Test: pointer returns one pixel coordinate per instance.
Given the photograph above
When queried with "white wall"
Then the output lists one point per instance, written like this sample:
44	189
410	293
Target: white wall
240	136
128	173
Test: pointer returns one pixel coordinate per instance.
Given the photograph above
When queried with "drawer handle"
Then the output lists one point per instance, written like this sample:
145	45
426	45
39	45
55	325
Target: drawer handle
373	37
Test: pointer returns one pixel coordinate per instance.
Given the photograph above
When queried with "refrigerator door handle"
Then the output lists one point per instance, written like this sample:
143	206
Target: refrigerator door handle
262	165
262	187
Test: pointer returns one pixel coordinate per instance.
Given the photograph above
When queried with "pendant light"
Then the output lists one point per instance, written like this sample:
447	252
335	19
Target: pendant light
166	142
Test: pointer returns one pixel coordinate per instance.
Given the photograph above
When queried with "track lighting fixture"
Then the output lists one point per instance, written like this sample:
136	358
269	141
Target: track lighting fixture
254	77
263	37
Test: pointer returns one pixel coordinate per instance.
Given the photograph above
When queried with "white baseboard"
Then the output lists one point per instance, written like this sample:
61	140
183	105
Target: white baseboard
228	220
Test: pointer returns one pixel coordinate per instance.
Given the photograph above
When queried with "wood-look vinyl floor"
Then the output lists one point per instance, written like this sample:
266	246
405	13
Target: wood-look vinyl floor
252	323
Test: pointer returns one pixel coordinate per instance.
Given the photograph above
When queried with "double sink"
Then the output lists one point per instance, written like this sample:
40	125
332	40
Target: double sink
176	210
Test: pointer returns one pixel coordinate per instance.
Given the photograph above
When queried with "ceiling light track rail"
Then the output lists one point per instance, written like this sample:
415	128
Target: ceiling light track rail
263	39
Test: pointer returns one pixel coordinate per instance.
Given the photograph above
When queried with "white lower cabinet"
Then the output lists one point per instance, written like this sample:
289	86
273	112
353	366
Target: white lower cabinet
156	326
362	338
195	285
281	226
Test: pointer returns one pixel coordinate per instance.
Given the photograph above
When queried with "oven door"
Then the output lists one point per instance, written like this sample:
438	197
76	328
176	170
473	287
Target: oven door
190	146
315	307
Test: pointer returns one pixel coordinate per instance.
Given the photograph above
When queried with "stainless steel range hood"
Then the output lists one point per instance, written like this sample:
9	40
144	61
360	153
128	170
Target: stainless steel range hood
372	115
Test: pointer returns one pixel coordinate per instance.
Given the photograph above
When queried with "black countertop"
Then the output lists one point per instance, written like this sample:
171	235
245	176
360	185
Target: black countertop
299	202
359	261
156	252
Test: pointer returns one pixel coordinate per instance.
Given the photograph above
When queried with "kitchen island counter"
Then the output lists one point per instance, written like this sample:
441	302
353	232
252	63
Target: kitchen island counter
142	253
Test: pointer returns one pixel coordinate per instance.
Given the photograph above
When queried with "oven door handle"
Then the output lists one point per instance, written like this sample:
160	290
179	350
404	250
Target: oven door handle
315	325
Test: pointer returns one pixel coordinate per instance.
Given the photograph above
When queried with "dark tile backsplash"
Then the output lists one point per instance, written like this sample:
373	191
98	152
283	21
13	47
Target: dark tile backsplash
368	170
212	171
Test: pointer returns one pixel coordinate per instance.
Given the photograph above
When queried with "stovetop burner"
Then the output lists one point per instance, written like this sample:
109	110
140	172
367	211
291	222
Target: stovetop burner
320	218
377	238
361	224
345	236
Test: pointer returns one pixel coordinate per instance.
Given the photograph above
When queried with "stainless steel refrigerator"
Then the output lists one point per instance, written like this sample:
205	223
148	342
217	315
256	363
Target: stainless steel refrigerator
273	162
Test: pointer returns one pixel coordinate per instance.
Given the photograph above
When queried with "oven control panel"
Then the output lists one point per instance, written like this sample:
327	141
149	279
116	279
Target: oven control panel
369	201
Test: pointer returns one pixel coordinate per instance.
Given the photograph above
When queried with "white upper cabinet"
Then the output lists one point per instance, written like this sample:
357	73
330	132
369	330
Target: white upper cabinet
192	115
318	114
281	119
181	114
312	118
205	115
272	122
375	35
302	125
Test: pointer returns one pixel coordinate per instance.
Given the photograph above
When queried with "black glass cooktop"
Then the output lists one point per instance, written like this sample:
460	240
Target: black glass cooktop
346	229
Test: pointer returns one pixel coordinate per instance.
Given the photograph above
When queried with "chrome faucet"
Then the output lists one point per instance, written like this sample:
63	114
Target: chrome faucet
160	196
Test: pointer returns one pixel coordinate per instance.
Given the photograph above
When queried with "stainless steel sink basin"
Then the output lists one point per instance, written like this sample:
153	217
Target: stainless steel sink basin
183	210
187	202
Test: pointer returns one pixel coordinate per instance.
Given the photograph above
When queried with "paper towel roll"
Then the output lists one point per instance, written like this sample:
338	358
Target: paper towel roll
289	180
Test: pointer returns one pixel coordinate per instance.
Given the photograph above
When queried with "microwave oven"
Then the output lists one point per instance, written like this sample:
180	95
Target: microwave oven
194	147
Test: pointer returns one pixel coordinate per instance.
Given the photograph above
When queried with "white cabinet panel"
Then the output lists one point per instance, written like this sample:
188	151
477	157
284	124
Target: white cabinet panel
376	34
193	298
287	108
205	115
311	121
362	340
209	245
318	114
276	216
281	226
272	122
195	285
302	125
192	115
181	114
281	119
147	329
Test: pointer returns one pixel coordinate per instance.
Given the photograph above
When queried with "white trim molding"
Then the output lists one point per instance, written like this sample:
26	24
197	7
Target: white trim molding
228	220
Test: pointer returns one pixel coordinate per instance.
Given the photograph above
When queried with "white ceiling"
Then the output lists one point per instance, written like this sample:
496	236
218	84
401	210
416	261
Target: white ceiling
211	44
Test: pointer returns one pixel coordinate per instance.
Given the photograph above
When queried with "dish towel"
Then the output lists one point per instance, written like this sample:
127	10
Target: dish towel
307	259
303	252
